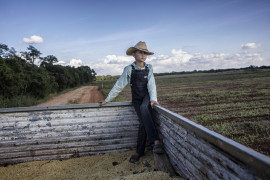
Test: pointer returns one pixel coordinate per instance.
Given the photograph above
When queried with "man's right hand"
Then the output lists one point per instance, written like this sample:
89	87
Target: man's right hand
102	103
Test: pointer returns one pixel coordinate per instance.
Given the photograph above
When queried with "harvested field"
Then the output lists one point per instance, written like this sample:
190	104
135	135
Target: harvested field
234	103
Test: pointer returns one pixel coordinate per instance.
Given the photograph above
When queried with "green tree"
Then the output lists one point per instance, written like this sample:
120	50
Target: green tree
40	84
12	53
31	55
12	78
3	50
50	59
86	74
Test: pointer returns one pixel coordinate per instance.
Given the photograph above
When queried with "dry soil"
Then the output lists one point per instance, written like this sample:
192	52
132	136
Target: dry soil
82	95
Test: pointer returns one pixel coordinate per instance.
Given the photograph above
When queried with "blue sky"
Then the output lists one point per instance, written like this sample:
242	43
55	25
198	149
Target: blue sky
185	35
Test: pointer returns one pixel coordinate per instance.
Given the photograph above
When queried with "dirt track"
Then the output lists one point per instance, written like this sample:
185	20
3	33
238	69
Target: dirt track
82	95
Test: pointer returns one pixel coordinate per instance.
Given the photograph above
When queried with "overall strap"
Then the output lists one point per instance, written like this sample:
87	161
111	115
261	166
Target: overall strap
146	68
132	74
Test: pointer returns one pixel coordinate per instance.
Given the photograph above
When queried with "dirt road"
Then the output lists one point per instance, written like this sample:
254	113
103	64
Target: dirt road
82	95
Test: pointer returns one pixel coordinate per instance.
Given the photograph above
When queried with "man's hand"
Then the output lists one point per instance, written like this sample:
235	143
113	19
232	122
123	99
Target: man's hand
102	103
153	102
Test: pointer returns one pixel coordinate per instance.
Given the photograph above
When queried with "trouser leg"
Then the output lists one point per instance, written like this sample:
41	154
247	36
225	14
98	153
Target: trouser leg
147	120
147	126
141	140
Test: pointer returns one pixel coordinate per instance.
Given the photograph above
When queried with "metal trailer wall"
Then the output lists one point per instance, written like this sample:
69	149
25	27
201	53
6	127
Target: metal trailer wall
198	153
60	132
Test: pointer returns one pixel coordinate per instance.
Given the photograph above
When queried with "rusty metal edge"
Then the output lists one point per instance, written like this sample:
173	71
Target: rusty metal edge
61	107
251	158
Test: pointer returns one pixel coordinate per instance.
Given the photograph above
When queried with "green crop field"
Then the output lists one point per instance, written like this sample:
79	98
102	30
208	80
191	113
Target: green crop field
233	103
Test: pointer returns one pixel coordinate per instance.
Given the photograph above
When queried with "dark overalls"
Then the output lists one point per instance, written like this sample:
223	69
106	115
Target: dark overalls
141	103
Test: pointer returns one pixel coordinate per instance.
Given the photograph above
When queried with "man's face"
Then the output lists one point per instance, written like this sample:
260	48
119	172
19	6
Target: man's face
140	56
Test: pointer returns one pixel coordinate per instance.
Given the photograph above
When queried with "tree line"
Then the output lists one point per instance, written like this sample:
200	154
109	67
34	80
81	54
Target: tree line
251	67
107	77
21	77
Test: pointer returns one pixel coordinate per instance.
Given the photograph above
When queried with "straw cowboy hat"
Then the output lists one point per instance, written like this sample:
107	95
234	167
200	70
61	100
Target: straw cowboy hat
141	46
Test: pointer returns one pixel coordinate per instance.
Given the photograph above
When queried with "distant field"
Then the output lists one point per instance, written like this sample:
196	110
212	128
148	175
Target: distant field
235	104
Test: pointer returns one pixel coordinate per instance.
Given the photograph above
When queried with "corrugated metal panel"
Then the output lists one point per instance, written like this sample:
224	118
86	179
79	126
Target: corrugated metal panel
198	153
58	132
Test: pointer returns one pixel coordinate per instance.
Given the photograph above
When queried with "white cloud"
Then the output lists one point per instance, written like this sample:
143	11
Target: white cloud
75	62
180	60
183	61
250	46
33	39
181	55
113	59
63	63
112	65
108	69
18	54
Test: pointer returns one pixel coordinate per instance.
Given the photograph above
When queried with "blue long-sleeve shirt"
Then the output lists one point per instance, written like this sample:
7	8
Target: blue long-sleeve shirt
125	79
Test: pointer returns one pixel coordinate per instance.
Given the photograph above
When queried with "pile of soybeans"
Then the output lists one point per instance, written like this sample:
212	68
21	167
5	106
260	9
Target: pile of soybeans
107	166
